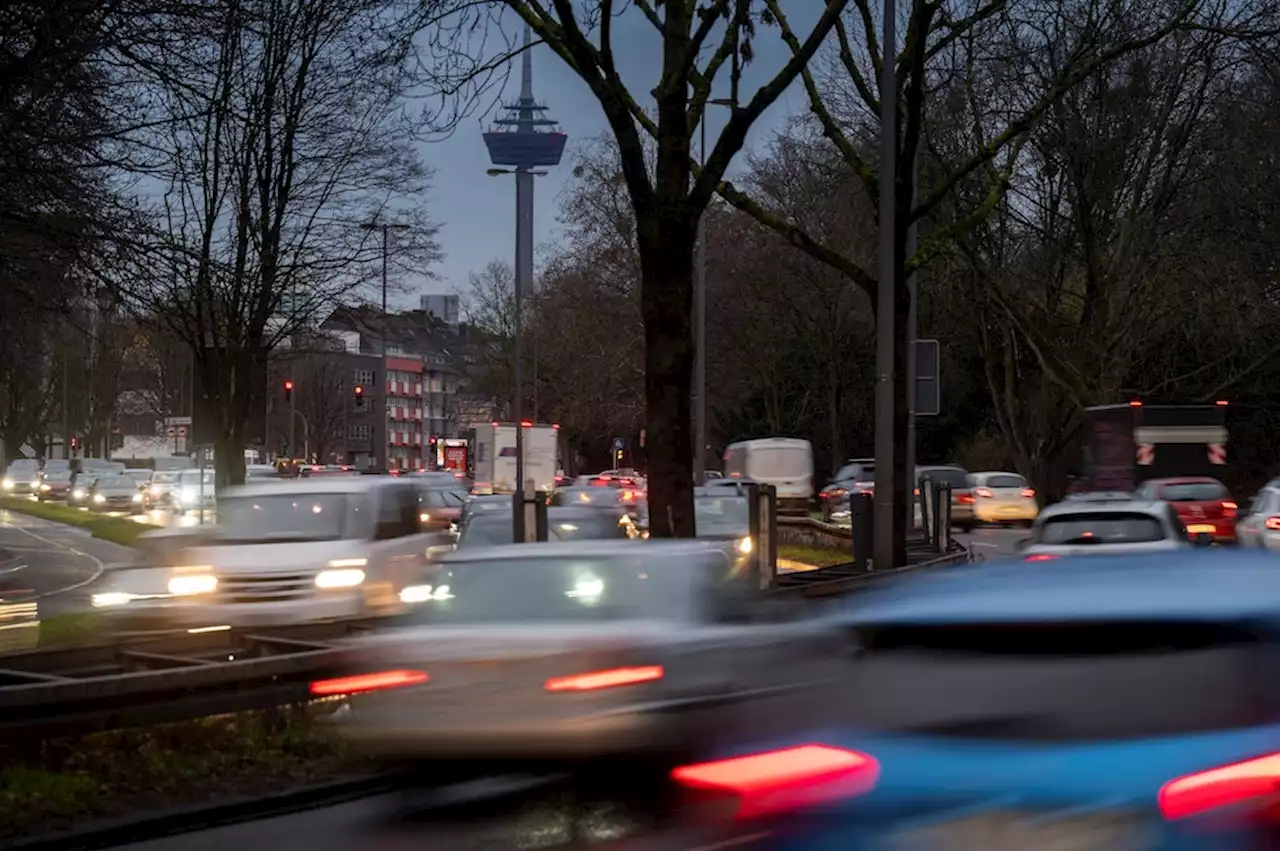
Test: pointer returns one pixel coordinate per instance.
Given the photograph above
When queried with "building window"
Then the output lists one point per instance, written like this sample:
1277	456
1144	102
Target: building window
359	432
364	376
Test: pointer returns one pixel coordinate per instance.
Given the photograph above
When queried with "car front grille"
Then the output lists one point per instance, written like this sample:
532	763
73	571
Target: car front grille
276	588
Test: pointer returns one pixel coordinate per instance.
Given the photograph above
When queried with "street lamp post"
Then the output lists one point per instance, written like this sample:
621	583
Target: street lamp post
386	228
886	291
523	235
306	432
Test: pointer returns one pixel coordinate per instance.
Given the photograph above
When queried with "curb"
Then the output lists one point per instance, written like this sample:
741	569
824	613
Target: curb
159	825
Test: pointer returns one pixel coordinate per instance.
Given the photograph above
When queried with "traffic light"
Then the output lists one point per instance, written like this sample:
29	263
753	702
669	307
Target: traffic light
359	391
288	389
75	441
433	440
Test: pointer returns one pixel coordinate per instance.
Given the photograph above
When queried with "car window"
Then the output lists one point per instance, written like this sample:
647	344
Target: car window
722	515
116	483
1101	527
855	472
1006	481
398	514
281	518
1193	492
439	498
954	476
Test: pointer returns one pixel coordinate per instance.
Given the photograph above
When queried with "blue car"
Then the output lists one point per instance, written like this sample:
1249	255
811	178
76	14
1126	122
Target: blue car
1098	703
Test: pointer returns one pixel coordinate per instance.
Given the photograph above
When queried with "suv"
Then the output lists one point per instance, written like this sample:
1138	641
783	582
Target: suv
857	474
1106	524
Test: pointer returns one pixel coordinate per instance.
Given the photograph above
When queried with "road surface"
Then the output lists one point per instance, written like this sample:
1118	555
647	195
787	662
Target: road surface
53	564
989	543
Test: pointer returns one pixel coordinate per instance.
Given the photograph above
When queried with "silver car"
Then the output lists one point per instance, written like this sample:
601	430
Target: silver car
1105	524
561	653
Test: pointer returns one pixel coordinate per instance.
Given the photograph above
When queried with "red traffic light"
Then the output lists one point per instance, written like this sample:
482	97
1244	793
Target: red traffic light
359	390
288	385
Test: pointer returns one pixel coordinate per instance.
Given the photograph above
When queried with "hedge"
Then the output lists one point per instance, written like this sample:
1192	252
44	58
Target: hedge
118	530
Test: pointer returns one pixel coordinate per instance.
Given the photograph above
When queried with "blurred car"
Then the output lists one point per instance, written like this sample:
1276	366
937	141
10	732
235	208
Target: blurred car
259	472
596	497
80	489
140	475
721	516
290	552
440	508
22	476
114	493
159	492
483	505
54	484
560	655
849	479
495	528
194	491
1121	702
1260	527
1204	505
1104	525
962	499
1001	499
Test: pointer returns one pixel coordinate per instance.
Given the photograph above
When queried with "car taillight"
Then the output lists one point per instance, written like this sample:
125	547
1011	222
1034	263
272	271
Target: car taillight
1040	557
368	682
1252	780
985	493
1273	524
784	780
1229	508
612	678
1028	493
965	499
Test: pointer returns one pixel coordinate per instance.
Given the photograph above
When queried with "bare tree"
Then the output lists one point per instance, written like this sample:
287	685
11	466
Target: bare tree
704	44
287	131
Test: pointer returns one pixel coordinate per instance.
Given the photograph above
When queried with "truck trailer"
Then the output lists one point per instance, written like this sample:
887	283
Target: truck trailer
1126	445
495	457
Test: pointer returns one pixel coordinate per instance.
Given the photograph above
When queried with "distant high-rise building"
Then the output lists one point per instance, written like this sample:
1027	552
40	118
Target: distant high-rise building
442	307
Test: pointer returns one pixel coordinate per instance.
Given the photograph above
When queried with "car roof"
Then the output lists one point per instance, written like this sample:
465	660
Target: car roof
1170	585
1184	480
1128	505
324	484
598	547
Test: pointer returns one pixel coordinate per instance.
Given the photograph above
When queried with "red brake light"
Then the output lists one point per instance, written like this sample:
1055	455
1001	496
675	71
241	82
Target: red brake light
368	682
965	499
985	493
784	780
1198	793
1028	493
1273	524
1040	557
605	679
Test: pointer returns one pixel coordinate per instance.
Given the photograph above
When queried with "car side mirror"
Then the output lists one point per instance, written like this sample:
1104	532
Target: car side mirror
1203	539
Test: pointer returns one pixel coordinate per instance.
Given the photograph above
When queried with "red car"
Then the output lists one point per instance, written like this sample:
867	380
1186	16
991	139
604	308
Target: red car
1203	505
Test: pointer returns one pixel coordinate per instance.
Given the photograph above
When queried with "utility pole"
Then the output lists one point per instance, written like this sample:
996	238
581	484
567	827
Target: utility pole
886	291
700	334
380	417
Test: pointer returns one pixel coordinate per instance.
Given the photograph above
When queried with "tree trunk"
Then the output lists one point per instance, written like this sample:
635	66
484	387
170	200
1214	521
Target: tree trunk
228	457
666	269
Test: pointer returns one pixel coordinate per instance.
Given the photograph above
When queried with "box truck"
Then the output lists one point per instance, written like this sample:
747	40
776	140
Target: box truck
495	457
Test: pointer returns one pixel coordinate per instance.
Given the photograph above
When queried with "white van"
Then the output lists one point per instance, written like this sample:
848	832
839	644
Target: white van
784	462
301	551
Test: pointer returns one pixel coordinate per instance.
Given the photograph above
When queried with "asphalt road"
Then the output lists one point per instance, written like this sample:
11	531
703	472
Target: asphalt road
53	564
990	543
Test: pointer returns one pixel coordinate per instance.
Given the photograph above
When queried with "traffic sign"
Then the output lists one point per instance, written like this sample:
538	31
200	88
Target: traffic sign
928	384
619	444
182	431
171	431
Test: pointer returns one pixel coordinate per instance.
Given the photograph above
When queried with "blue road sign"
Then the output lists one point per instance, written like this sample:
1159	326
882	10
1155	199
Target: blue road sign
619	444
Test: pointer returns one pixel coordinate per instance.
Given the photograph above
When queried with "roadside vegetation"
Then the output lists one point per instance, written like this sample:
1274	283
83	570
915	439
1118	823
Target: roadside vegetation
117	530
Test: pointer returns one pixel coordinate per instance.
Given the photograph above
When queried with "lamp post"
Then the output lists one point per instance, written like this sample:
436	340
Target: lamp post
524	236
386	228
700	320
886	291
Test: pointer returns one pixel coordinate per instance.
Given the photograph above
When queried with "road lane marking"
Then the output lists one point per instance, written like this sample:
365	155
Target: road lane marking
100	567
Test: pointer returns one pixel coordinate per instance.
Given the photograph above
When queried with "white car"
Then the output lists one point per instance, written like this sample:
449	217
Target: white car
1261	526
563	653
281	553
1106	524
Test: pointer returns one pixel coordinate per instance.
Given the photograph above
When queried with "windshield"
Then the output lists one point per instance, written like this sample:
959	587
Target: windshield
1099	527
164	478
57	465
442	498
1006	482
722	515
1194	492
24	467
850	472
582	588
191	478
288	517
954	476
57	475
115	483
782	462
491	530
139	475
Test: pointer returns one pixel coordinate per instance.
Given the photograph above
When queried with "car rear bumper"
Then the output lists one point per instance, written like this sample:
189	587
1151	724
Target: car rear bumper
1223	530
1006	512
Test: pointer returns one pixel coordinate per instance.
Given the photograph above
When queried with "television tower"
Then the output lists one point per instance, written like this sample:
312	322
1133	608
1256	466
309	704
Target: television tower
524	142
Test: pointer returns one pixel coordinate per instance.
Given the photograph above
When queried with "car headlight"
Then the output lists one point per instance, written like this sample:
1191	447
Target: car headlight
97	497
111	598
156	490
8	484
137	497
45	488
189	585
77	494
348	577
424	593
744	546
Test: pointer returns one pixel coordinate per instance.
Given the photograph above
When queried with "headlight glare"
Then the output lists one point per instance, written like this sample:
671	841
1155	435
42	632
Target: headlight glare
343	578
744	546
97	497
199	583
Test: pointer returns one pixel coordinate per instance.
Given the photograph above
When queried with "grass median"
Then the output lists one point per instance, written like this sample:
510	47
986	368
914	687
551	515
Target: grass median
117	530
64	783
814	556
